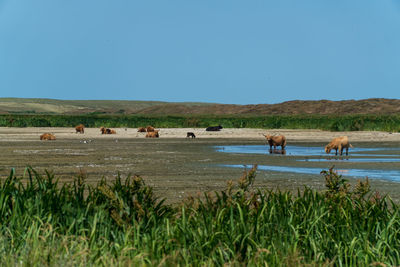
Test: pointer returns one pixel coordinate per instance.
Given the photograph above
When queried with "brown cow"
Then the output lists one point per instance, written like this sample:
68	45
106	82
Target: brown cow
141	130
278	140
150	129
339	143
152	134
107	131
80	128
47	136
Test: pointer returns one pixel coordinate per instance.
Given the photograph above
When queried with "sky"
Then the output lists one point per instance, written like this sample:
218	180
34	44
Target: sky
220	51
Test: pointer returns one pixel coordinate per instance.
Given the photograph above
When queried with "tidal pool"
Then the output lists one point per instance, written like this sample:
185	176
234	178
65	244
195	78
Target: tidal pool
294	150
392	175
372	162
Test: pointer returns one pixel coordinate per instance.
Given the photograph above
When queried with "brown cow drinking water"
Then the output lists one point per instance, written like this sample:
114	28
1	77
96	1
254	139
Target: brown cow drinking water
339	143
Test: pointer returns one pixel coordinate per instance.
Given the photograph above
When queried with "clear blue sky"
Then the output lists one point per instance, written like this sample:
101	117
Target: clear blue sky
225	51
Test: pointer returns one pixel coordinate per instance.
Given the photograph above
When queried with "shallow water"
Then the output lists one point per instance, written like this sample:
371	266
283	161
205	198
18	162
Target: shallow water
294	150
392	175
361	162
351	159
173	166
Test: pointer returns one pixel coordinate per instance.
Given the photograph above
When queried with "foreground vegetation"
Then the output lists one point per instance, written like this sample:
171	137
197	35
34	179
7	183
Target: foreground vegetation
323	122
123	223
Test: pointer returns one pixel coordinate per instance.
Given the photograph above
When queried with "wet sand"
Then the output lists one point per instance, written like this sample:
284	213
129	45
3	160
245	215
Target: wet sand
173	164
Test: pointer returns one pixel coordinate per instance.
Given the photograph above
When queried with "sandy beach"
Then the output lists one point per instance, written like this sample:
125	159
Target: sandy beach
31	133
176	166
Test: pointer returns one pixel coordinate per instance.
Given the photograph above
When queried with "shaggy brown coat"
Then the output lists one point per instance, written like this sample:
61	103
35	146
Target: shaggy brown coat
107	131
141	130
150	129
47	136
80	128
278	140
152	134
339	143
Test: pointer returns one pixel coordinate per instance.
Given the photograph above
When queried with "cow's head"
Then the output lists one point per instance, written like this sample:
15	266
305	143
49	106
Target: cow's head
268	137
328	149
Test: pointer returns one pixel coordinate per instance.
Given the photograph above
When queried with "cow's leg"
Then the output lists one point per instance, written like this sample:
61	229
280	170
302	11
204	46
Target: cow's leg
340	150
336	152
347	151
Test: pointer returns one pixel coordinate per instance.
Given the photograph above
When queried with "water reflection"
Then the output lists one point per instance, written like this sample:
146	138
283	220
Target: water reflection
290	150
277	151
305	154
393	175
381	158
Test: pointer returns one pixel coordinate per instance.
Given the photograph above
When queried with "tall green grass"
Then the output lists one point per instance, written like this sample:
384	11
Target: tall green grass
123	223
323	122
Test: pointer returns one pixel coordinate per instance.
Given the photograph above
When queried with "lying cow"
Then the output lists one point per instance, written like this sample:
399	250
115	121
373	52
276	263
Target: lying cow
47	136
152	134
276	140
80	128
141	130
214	128
110	131
339	143
150	129
107	131
190	134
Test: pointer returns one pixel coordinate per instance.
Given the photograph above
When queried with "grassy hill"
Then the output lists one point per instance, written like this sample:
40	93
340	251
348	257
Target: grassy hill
75	107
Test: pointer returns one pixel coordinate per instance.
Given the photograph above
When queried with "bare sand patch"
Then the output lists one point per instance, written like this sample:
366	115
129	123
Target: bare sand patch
174	165
298	135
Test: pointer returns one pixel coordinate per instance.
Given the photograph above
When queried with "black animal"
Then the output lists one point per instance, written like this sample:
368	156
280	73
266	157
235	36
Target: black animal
214	128
190	134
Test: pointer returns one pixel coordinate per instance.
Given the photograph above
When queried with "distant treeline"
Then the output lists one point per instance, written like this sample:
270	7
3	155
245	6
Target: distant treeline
323	122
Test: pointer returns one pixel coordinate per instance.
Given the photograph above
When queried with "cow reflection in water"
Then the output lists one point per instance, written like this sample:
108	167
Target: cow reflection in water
277	151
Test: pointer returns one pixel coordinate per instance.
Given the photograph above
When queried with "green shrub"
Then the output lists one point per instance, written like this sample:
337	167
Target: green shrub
323	122
123	223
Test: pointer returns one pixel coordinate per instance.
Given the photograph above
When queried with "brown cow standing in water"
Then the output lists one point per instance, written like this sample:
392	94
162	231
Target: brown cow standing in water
339	143
276	140
152	134
80	128
47	136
